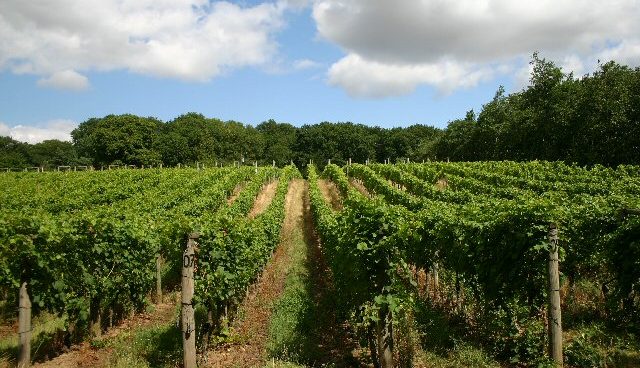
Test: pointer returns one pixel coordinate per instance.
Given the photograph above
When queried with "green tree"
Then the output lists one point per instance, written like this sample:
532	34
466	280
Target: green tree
51	153
13	153
127	138
280	140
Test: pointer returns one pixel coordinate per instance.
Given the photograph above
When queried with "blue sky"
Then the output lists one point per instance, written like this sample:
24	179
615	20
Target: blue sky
374	62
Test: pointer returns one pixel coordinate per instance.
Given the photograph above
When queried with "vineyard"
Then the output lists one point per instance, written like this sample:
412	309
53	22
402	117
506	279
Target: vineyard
484	235
509	253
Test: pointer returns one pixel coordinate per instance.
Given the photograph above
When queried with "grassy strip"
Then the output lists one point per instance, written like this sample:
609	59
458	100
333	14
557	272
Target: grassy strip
289	325
158	345
47	337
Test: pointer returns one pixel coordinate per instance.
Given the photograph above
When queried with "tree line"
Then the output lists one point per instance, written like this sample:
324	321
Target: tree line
592	119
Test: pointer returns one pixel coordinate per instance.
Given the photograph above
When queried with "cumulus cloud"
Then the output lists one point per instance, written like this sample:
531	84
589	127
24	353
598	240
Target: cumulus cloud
363	78
54	129
66	79
191	40
412	41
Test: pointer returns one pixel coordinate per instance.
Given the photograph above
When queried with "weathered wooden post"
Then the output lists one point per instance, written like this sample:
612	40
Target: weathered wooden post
24	327
436	282
188	319
555	318
159	278
95	314
384	334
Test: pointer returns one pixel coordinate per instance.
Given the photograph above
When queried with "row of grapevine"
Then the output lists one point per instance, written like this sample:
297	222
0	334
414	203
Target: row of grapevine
81	255
233	248
369	268
105	250
493	239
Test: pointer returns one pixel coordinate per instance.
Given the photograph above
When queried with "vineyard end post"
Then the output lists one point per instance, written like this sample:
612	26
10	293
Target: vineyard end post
159	278
188	319
24	326
384	332
554	311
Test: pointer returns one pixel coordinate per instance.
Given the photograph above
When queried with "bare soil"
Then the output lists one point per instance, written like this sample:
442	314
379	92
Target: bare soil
9	329
442	183
263	200
251	330
331	194
236	193
360	187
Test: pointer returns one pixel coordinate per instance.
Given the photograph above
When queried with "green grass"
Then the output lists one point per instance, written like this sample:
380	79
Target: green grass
153	346
280	364
47	336
157	346
595	345
445	342
460	355
289	321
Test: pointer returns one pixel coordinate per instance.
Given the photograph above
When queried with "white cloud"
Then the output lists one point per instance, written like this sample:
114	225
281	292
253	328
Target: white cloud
67	79
192	40
303	64
410	41
363	78
54	129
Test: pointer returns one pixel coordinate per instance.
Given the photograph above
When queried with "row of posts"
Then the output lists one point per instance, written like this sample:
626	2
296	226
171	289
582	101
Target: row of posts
199	166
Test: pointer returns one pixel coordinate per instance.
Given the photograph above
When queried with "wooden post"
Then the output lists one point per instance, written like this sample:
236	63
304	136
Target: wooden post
329	161
159	279
24	327
188	319
385	338
436	282
255	165
95	313
555	318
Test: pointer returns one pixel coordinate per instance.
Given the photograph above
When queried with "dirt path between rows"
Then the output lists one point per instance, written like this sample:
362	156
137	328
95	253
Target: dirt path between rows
331	194
84	355
236	192
360	187
263	200
256	309
334	340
